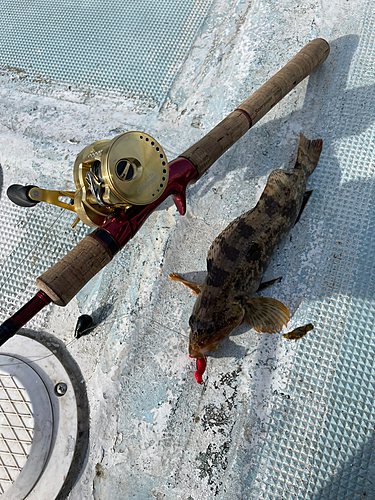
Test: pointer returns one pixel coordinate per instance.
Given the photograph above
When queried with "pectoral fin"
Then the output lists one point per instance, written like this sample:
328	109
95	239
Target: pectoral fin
264	314
194	287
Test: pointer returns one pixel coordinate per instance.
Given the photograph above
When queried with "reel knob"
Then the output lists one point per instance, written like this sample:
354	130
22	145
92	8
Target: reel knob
20	195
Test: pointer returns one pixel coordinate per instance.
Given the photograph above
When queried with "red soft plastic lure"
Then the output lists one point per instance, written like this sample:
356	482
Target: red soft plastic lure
201	368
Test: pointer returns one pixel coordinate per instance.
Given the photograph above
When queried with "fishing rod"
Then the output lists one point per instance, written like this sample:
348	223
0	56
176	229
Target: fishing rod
120	182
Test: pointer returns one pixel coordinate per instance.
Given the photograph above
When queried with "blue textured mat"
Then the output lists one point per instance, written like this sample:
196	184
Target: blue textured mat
320	443
32	241
135	47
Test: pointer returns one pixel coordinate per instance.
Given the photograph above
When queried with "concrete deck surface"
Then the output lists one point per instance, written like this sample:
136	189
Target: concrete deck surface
274	419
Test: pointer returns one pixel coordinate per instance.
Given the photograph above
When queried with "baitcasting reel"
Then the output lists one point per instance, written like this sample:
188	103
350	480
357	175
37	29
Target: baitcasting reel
131	169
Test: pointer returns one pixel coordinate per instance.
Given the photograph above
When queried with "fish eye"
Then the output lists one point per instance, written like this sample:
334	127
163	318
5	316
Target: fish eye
237	299
200	327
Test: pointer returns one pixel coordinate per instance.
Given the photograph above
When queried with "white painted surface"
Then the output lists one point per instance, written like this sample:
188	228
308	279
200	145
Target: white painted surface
154	432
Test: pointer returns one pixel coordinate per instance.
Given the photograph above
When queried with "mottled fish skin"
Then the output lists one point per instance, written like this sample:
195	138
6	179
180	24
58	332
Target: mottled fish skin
240	255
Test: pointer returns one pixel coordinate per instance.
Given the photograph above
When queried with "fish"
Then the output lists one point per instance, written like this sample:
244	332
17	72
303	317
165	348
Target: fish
240	255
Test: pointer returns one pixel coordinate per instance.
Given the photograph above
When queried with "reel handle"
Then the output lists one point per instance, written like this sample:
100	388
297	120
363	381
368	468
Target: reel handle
206	151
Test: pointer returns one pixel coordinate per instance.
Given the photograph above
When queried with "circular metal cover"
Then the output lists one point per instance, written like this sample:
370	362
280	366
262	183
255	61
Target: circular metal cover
39	426
25	427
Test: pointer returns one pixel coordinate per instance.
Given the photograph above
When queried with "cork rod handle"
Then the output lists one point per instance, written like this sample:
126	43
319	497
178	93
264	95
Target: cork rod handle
206	151
66	278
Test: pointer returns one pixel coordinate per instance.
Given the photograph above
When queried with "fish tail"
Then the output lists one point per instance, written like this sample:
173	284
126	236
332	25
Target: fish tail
308	154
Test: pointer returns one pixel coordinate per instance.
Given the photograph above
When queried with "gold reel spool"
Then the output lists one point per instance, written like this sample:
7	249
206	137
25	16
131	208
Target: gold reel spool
131	169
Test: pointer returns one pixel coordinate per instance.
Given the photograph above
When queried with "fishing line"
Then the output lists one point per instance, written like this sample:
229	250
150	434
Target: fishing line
68	344
170	329
34	360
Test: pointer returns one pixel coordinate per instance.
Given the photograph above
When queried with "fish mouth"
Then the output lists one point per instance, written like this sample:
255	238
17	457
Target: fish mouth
200	352
207	346
205	336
